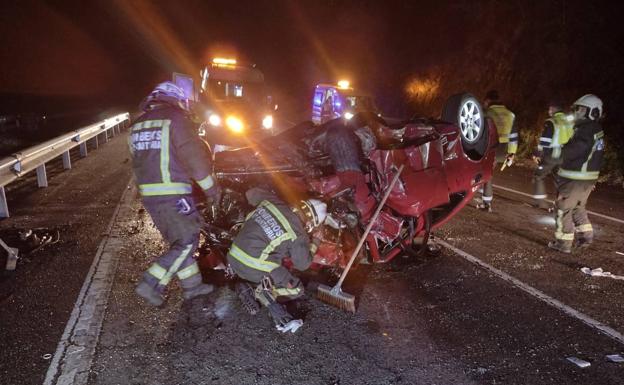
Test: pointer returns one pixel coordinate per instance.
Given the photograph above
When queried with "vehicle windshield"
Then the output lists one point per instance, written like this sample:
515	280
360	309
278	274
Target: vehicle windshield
225	90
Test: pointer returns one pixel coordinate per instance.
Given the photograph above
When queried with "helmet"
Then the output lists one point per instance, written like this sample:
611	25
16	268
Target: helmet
166	93
314	211
592	103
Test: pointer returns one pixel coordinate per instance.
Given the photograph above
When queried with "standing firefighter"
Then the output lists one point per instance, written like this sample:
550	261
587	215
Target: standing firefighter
272	232
504	120
168	157
558	129
579	170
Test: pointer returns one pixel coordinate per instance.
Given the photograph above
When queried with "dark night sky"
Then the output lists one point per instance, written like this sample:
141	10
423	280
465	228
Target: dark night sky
113	51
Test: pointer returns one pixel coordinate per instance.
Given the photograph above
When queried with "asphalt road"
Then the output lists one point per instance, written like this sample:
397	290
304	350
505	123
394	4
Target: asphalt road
435	320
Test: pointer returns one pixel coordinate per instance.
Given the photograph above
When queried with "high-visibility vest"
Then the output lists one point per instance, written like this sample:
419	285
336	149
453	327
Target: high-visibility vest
504	121
563	129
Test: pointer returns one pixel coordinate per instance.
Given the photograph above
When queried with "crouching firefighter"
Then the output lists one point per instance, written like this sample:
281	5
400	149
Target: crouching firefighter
168	157
580	167
272	232
557	131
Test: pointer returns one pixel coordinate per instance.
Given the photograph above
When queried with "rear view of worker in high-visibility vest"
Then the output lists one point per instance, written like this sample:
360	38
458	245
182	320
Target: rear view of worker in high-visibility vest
558	129
168	158
505	122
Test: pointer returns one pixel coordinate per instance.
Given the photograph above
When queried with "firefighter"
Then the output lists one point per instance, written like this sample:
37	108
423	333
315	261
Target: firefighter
558	129
168	158
504	120
579	170
271	233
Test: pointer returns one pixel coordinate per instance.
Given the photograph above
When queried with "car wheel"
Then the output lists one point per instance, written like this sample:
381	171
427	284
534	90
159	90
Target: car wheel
464	110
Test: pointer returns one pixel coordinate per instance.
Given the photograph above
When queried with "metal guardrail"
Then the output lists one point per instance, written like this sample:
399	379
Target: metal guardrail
35	157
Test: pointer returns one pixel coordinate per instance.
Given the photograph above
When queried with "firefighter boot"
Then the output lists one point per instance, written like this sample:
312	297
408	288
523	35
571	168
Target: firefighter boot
245	293
584	239
151	295
485	206
562	246
194	287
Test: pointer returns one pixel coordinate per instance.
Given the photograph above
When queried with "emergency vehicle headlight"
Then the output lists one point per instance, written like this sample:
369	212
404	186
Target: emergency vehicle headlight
234	124
267	122
343	84
348	115
214	120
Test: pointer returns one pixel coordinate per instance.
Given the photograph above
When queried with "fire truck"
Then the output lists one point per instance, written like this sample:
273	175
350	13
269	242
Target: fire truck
236	101
331	101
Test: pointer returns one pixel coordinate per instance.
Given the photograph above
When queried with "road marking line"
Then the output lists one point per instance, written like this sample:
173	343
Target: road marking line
551	201
602	328
83	327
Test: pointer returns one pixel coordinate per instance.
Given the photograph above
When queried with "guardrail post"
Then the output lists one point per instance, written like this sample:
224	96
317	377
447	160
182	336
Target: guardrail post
4	207
105	136
66	160
42	177
112	131
96	142
83	149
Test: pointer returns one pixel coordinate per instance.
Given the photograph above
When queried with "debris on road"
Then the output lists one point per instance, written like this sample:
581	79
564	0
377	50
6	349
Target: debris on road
619	253
578	362
618	359
12	255
291	326
598	272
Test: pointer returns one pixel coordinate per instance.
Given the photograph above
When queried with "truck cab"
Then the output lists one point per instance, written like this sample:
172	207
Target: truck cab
331	101
235	100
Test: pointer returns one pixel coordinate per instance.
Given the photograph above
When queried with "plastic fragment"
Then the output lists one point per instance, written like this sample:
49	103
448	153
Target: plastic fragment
291	326
578	362
618	359
598	272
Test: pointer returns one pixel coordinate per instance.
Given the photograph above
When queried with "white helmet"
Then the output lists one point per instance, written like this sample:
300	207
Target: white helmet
314	210
167	93
593	105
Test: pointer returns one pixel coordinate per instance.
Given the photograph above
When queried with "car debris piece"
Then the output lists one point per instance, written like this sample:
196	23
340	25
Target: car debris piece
291	326
578	362
598	272
12	255
619	253
618	359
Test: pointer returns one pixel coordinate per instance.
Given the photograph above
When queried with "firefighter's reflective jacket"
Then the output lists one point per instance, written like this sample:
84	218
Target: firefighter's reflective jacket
270	233
505	125
582	155
558	129
168	155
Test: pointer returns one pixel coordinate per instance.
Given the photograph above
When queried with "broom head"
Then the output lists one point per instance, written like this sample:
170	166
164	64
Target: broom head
336	297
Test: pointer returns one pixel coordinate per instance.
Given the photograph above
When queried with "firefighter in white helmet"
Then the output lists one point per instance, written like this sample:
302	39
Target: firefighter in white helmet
272	232
580	167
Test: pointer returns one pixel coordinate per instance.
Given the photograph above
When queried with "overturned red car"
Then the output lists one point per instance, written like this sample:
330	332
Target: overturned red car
445	162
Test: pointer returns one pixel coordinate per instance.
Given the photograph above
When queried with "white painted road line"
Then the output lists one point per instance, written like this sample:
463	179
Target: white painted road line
597	325
548	200
75	351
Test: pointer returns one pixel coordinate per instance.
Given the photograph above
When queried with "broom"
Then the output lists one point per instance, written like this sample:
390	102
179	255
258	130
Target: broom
334	295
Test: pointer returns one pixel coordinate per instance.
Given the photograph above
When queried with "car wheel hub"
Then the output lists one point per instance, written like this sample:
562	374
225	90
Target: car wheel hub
470	122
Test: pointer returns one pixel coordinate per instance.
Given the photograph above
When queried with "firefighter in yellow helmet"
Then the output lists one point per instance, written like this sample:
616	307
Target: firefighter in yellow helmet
580	167
558	129
504	120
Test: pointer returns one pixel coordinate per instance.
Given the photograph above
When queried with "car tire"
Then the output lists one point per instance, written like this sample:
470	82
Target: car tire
464	110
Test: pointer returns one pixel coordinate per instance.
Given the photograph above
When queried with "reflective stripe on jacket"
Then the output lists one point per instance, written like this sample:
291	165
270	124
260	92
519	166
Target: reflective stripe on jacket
504	121
270	233
168	155
582	156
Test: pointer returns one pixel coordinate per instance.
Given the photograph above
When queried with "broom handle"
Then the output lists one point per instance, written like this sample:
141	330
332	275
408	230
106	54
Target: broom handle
368	228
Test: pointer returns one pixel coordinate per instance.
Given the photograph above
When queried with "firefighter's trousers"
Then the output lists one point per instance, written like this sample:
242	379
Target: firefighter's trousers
488	190
571	214
284	285
548	166
181	232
